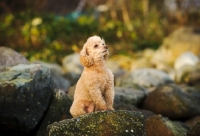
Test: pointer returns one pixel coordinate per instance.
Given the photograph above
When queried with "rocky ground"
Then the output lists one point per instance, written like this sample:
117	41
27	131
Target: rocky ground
159	95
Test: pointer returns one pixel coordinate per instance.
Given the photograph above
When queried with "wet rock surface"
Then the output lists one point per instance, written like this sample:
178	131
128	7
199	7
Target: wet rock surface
25	92
107	123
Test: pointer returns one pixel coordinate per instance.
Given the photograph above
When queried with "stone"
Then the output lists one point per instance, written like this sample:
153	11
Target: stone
115	68
149	77
9	57
25	92
57	73
181	40
192	121
195	130
58	110
173	102
160	126
186	58
132	96
72	64
102	123
189	75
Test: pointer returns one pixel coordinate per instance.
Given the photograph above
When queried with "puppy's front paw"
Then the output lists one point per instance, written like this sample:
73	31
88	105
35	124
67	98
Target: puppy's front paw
111	108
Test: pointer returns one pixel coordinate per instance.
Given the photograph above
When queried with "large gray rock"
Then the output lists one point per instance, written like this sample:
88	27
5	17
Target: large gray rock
60	82
104	123
160	126
25	92
133	96
173	102
57	111
149	77
9	57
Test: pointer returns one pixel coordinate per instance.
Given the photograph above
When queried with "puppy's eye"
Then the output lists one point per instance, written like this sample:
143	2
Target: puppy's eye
103	44
96	46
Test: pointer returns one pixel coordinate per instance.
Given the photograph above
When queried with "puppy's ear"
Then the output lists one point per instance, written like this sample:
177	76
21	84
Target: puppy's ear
85	58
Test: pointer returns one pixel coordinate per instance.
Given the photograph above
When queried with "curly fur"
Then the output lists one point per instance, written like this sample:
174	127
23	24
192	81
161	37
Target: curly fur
95	88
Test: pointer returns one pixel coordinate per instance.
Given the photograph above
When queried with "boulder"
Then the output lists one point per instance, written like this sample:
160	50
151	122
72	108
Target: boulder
186	58
160	126
149	77
72	64
195	130
189	75
58	110
181	40
173	102
103	123
9	57
25	92
57	73
132	96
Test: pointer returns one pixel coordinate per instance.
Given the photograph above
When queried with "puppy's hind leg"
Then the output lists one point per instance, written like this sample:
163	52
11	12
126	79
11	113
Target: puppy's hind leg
77	109
81	107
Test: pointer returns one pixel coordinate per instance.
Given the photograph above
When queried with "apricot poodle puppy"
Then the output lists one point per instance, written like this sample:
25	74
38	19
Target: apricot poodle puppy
95	88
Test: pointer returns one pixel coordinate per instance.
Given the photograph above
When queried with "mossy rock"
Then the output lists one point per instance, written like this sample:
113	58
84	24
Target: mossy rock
162	126
103	123
195	130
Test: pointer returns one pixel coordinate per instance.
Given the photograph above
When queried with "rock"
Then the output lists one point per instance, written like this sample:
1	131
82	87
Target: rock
189	75
148	77
72	64
57	111
195	130
129	107
181	40
72	77
181	75
9	57
115	68
54	68
133	96
160	126
70	92
104	123
25	92
60	82
173	102
187	58
141	63
192	121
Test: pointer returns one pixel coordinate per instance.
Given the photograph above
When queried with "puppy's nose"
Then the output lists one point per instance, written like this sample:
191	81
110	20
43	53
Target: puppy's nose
105	46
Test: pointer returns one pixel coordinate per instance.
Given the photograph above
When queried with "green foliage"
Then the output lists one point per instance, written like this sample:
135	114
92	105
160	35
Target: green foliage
50	37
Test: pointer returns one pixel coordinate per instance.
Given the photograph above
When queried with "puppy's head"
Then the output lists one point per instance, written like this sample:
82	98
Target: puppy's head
93	50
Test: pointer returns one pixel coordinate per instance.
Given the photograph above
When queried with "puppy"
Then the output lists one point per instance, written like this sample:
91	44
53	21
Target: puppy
95	88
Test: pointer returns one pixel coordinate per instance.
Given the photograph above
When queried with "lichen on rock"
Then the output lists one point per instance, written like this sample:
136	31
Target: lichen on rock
102	123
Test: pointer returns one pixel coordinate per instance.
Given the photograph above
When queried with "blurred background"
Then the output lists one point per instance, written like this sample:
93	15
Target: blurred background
48	30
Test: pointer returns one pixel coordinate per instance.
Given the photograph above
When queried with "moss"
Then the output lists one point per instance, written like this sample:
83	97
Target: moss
107	123
176	128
